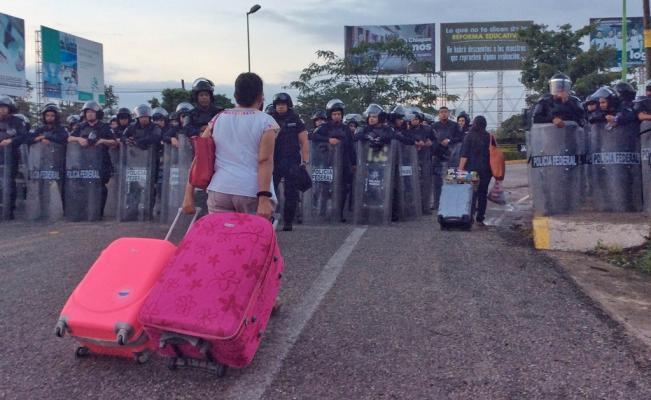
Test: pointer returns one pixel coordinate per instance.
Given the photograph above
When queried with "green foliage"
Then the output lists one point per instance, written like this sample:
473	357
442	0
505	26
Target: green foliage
112	99
222	101
359	81
173	96
511	130
154	102
552	51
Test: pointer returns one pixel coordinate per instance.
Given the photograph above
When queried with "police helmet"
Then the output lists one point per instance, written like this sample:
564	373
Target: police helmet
92	105
398	112
114	118
283	98
184	108
51	107
560	83
375	109
319	114
9	102
335	105
142	110
202	85
624	91
123	113
72	119
159	113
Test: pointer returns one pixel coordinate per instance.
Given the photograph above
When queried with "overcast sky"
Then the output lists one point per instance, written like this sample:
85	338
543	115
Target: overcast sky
155	44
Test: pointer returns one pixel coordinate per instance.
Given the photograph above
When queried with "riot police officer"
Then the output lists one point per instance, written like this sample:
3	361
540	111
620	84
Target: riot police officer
352	122
290	152
335	132
171	135
50	129
72	121
13	133
93	132
203	97
143	132
625	114
319	118
643	105
558	105
375	132
124	120
399	125
160	117
607	103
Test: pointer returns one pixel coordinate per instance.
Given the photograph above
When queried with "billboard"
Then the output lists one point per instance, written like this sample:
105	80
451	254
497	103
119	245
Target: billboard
12	56
608	33
482	46
420	37
73	67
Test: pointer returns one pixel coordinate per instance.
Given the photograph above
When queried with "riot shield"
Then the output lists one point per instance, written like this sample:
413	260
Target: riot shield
21	176
615	172
111	207
83	185
408	182
6	181
176	168
373	186
137	178
425	176
322	203
645	152
46	165
555	168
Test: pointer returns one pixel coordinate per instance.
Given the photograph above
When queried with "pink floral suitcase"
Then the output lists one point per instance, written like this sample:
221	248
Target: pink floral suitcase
212	303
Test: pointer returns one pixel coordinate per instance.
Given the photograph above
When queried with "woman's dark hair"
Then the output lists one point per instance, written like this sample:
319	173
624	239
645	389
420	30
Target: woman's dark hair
479	124
248	88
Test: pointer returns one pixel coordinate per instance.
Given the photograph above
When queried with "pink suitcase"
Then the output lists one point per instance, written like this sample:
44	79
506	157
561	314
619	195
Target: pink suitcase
213	301
102	311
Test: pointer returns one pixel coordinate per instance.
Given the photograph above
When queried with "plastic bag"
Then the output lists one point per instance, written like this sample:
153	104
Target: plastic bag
496	194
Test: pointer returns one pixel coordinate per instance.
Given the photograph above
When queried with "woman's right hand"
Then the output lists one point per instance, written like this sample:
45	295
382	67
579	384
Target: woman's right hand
188	207
265	207
188	200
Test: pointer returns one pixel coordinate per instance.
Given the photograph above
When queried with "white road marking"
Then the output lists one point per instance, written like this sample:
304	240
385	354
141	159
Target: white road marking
253	385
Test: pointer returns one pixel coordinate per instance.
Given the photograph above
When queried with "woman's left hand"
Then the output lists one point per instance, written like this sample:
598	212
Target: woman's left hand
265	207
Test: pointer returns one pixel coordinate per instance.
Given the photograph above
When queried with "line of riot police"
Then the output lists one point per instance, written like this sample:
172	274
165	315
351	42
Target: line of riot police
588	156
89	168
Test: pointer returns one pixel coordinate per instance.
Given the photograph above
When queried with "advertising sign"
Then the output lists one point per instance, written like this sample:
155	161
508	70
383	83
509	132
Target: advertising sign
73	67
482	46
420	37
609	34
12	56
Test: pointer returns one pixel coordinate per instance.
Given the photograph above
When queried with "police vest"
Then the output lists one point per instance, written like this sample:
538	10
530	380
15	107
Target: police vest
287	143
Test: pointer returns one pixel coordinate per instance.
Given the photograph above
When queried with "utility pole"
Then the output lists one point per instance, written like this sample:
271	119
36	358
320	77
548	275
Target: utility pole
647	39
624	42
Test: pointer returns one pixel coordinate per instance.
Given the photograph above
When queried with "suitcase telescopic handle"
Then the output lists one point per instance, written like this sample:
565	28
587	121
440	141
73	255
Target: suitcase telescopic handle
176	220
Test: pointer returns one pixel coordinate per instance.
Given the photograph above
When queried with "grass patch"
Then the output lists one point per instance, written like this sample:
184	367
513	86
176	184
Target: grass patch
637	258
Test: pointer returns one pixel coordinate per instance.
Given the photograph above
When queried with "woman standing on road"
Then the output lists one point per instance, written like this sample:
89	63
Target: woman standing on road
244	138
475	156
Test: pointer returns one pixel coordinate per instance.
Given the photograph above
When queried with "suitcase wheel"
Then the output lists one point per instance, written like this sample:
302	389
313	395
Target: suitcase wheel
171	364
444	227
142	357
82	351
221	370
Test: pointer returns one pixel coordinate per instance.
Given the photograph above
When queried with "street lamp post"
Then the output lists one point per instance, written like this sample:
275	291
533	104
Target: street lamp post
248	42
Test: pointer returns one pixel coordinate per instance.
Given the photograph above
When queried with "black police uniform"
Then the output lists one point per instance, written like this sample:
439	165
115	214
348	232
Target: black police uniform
93	133
199	117
15	129
55	133
287	157
341	132
143	136
549	108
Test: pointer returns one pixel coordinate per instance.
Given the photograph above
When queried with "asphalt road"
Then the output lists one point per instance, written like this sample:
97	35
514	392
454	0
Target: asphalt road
398	312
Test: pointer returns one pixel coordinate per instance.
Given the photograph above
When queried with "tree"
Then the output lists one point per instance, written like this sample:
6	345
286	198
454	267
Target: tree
359	80
154	102
511	130
222	101
111	99
560	51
